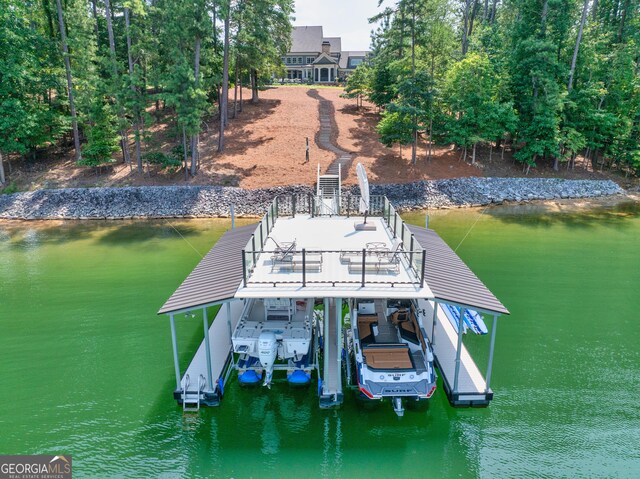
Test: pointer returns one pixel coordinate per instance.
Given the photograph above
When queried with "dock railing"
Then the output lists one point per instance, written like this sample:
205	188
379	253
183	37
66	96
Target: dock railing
412	254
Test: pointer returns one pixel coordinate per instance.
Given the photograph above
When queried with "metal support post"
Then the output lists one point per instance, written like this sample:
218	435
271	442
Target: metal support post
174	341
364	264
395	224
433	324
207	347
253	247
304	267
411	252
459	350
229	320
244	269
339	333
293	206
233	216
326	342
424	262
491	346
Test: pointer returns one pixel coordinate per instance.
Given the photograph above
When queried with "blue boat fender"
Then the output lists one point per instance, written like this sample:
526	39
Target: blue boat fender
249	377
299	377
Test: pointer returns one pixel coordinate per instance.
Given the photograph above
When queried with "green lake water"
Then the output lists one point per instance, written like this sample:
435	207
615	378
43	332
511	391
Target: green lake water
86	365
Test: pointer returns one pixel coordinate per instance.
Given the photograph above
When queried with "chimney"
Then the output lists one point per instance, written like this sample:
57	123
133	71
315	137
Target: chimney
326	47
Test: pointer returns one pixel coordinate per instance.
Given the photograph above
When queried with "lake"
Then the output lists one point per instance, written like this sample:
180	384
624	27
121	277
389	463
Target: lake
86	364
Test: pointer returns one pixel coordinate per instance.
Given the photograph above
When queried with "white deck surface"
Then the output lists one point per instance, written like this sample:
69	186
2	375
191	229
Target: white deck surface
333	234
220	343
470	381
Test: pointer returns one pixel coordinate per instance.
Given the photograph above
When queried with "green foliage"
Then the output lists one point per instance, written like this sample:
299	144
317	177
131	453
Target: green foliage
476	113
395	128
172	161
357	85
102	137
503	73
10	189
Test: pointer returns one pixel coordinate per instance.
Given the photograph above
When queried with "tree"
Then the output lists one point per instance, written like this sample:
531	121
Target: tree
67	66
476	113
357	85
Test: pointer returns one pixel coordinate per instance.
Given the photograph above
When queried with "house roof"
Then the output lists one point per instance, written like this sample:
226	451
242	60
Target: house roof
217	276
325	59
336	44
309	40
344	58
306	39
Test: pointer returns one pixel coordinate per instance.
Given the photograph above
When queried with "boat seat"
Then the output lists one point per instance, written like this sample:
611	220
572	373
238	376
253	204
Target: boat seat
408	331
399	316
365	331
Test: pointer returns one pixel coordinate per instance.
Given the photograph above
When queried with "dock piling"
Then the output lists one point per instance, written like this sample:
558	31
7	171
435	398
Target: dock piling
207	346
458	351
491	346
174	341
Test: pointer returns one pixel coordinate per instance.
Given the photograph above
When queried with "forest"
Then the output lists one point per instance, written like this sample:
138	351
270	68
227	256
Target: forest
555	79
552	79
92	73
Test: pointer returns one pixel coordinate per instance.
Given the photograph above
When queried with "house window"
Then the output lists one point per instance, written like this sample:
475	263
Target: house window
300	60
309	59
294	60
288	60
355	62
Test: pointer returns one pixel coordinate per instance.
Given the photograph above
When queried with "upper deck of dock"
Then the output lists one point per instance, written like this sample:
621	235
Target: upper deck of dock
302	255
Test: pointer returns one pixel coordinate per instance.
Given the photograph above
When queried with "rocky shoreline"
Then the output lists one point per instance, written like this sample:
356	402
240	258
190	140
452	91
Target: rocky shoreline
216	201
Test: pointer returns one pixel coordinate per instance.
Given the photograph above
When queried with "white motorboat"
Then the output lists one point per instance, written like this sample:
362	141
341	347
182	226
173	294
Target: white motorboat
392	353
274	333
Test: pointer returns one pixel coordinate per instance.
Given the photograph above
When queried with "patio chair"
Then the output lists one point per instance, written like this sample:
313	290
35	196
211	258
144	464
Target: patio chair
283	252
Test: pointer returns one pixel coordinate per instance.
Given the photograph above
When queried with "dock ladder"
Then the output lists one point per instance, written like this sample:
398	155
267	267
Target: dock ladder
191	399
329	189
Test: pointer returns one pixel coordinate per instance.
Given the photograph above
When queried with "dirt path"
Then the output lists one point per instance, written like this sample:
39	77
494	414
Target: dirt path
326	136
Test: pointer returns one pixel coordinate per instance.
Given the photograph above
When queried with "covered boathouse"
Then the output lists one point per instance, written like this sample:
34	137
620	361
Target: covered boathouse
231	272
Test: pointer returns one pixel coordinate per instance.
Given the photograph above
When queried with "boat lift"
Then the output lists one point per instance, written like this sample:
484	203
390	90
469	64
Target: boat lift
228	267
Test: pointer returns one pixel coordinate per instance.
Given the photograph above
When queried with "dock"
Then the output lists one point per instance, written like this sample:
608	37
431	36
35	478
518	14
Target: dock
213	377
240	267
471	388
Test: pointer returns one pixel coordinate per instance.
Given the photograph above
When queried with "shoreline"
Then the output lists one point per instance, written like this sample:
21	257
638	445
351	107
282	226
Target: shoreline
185	202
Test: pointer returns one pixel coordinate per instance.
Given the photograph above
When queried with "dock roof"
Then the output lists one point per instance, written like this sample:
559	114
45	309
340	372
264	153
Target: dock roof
219	274
216	278
449	278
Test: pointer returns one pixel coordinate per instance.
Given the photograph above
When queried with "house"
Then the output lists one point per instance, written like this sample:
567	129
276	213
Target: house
315	58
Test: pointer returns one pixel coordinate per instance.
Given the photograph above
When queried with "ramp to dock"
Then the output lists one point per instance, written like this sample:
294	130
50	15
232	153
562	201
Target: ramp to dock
220	346
332	383
472	388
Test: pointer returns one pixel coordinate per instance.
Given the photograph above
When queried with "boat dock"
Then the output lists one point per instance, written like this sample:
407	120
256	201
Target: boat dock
240	267
470	388
208	382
